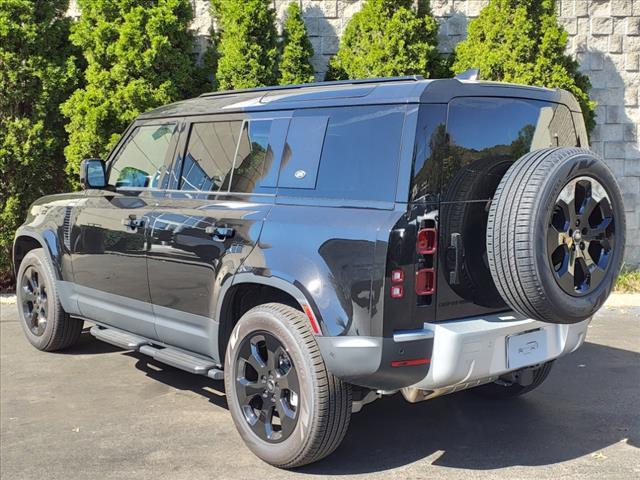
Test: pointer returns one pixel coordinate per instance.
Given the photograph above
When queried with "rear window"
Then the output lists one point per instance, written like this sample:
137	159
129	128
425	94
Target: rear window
349	153
486	134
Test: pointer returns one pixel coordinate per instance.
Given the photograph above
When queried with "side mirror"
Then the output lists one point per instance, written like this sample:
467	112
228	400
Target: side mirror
92	174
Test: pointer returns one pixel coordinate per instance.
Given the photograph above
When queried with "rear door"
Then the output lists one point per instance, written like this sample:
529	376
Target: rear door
484	136
109	230
202	230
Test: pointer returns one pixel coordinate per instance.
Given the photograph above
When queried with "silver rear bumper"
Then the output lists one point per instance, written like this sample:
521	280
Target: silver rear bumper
474	350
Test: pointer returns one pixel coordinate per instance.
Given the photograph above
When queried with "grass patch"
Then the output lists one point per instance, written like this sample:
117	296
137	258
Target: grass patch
628	281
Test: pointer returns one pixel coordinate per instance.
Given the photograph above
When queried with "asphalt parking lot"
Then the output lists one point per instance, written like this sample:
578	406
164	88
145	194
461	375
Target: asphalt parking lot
101	413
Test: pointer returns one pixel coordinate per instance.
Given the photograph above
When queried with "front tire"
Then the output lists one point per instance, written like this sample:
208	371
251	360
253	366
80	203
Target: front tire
288	409
44	322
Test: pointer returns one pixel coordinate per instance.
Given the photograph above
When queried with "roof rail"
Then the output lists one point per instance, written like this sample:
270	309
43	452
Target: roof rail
407	78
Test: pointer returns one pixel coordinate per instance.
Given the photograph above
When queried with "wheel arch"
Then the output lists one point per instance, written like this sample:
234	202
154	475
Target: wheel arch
26	240
249	290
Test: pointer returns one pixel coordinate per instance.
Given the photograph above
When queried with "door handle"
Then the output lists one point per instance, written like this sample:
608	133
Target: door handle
454	258
220	233
132	222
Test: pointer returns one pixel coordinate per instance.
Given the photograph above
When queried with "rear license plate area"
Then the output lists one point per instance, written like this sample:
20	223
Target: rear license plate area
525	349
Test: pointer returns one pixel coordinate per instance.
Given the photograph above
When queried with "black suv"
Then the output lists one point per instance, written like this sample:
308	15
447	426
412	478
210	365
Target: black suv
318	246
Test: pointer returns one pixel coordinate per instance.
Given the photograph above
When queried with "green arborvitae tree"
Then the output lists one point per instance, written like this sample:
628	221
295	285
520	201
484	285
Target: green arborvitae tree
248	46
387	38
520	41
295	64
38	71
139	55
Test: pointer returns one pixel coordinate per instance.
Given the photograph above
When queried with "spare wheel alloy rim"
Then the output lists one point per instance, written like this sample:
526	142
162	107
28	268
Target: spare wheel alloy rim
581	236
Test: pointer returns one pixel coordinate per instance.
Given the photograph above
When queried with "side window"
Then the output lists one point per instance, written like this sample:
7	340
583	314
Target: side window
209	157
141	160
350	153
302	152
254	158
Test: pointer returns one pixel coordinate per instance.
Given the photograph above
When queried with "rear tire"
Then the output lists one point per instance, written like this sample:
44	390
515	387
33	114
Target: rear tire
272	353
509	388
556	234
44	322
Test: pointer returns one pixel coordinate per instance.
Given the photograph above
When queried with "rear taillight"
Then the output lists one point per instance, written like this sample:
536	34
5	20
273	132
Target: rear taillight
427	241
426	249
425	281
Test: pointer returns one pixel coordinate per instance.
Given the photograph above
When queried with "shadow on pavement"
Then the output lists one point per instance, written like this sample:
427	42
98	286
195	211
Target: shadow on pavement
589	401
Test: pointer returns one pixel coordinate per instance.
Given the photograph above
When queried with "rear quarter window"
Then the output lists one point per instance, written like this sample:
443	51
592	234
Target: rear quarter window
343	153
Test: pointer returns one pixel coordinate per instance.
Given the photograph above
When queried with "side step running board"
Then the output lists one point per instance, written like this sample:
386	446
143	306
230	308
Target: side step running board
168	355
117	338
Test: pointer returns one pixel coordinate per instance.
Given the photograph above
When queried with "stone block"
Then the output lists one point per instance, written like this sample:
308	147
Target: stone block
330	26
320	62
579	43
346	8
611	132
441	8
581	8
583	25
621	8
597	148
632	153
614	150
633	26
617	166
316	43
324	8
630	132
632	167
615	114
615	62
601	26
615	44
598	78
457	25
631	96
570	25
330	45
631	44
632	62
313	26
632	114
565	8
598	8
596	61
635	10
474	7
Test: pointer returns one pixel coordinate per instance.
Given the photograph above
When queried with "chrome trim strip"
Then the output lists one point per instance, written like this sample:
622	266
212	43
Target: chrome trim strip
412	335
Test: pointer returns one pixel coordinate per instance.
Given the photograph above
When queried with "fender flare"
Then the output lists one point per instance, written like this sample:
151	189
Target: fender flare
47	240
292	287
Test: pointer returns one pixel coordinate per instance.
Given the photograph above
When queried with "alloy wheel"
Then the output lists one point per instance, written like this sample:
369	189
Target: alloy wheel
267	387
34	300
581	235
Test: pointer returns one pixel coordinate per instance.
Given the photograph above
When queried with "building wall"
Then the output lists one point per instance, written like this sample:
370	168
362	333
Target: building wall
604	35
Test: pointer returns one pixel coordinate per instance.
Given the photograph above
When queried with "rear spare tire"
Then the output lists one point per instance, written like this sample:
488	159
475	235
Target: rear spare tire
556	234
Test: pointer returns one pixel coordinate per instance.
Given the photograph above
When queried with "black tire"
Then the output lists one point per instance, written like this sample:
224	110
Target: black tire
323	403
462	213
530	255
44	322
508	388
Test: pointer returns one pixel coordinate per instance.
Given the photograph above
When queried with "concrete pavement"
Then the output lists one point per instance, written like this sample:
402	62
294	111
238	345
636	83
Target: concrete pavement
98	412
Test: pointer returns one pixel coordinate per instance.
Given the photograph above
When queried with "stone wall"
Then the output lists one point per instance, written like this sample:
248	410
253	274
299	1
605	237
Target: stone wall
604	35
